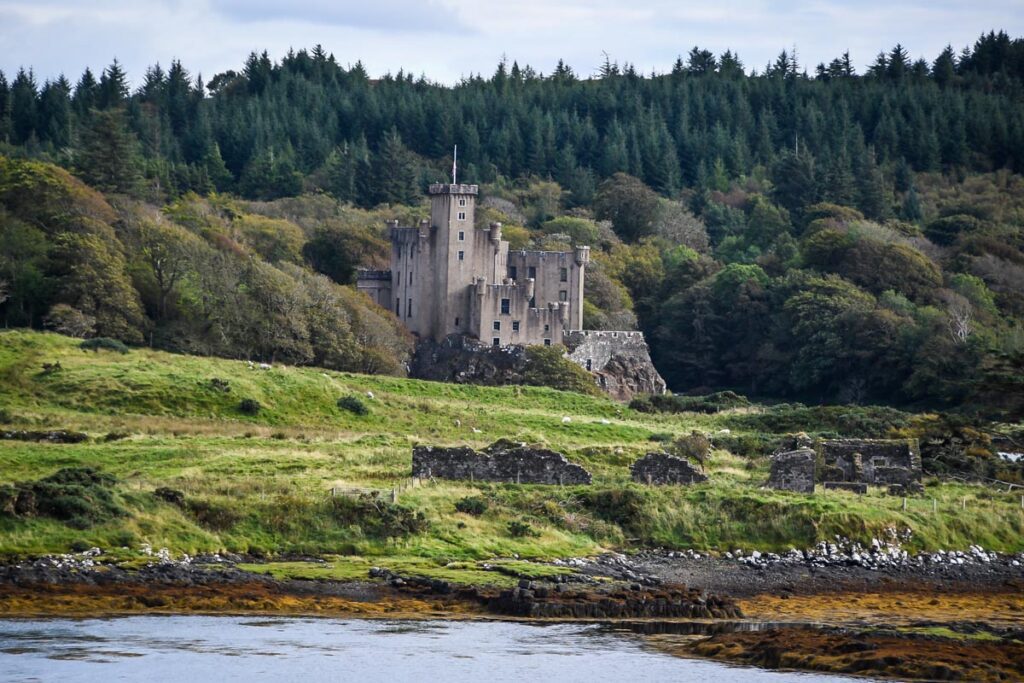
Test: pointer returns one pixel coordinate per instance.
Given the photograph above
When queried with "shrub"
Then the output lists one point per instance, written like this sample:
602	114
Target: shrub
221	385
353	404
849	421
376	518
68	320
105	343
660	437
693	445
78	496
213	515
669	403
748	445
518	529
625	507
547	366
472	505
115	436
249	406
169	495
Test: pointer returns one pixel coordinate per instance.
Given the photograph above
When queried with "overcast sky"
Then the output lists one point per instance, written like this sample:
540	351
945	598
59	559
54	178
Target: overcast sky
448	39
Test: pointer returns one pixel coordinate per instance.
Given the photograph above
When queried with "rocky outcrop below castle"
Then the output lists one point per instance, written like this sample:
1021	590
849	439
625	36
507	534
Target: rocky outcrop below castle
619	362
503	461
463	360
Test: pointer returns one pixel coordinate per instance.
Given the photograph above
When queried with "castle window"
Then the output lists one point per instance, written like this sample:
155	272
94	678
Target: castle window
462	236
462	256
515	325
462	201
547	328
563	275
462	215
496	341
512	272
408	308
456	322
505	303
410	277
533	302
531	272
496	326
547	342
398	306
563	295
398	279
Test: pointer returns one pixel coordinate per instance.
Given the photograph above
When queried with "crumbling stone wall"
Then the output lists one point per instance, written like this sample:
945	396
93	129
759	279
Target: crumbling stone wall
503	461
793	471
878	462
662	468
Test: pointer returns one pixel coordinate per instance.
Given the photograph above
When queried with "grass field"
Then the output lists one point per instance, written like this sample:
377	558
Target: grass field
261	483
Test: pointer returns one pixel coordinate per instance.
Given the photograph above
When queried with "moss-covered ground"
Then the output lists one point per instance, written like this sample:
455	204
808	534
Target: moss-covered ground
262	483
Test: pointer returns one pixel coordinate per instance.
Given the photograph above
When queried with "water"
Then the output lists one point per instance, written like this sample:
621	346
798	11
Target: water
227	648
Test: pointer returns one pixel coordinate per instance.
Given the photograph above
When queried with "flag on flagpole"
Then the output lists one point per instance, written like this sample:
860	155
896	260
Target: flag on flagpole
455	161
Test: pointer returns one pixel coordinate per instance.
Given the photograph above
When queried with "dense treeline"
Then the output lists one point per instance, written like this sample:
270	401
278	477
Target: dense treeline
840	237
274	129
201	276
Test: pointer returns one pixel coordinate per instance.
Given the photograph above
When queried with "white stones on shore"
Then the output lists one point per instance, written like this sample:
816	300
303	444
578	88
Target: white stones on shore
881	553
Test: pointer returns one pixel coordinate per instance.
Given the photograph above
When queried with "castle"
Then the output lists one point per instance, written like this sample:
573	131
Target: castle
448	277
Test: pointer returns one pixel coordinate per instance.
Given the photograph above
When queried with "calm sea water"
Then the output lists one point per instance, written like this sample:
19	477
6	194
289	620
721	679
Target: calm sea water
222	649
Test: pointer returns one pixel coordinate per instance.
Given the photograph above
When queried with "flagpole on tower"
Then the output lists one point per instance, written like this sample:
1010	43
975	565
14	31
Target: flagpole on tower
455	161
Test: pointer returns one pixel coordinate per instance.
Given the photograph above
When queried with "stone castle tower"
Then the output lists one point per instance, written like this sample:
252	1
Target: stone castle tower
449	277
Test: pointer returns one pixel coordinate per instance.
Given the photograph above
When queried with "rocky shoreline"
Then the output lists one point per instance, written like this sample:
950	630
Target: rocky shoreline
867	604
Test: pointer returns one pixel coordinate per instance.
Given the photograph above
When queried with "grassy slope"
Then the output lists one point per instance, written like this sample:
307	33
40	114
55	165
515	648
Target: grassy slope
264	480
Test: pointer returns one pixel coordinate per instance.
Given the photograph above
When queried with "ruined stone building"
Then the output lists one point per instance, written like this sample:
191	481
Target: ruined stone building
449	277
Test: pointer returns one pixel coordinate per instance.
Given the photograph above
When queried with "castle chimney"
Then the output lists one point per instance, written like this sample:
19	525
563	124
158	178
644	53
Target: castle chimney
495	232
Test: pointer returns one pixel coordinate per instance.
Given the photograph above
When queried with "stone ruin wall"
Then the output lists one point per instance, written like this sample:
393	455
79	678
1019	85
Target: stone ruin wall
847	464
878	462
793	471
512	464
662	468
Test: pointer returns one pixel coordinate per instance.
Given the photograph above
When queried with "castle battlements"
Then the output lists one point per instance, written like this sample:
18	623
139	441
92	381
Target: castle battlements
449	276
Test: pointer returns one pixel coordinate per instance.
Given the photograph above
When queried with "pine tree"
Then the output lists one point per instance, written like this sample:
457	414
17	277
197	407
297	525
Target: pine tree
108	157
23	107
55	113
5	109
113	88
86	95
911	210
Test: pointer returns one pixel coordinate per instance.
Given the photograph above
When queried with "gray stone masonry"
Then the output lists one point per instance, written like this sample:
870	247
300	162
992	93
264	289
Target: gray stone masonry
620	361
503	461
878	462
793	471
851	486
662	468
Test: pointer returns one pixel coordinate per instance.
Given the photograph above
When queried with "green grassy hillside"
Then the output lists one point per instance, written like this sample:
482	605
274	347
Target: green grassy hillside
261	483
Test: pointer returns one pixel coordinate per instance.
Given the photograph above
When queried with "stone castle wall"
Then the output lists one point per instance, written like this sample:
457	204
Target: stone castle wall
620	361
